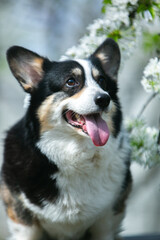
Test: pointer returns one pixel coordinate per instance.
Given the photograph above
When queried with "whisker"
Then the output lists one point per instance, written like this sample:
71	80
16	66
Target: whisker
72	114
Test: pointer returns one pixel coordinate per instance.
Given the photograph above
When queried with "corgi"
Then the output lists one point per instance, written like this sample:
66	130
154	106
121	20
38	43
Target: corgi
66	169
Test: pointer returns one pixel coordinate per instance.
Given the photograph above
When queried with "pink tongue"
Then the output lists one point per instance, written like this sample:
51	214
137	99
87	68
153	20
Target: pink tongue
97	129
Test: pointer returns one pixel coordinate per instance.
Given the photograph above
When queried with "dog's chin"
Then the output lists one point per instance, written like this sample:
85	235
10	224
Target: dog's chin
91	125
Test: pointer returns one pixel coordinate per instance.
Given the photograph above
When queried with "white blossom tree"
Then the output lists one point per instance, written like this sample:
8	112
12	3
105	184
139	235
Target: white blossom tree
126	22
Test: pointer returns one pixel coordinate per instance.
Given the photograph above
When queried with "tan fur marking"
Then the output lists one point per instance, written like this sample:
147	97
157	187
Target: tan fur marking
44	113
9	203
95	73
38	62
77	95
102	57
77	71
37	65
27	87
12	215
6	195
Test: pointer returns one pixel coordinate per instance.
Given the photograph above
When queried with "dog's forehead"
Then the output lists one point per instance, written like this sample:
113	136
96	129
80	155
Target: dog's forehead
83	69
91	71
86	65
80	67
89	68
70	66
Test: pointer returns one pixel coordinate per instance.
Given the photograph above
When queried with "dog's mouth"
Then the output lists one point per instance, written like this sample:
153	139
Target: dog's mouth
91	124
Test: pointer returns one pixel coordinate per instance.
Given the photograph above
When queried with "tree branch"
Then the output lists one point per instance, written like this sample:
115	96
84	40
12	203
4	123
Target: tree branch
146	104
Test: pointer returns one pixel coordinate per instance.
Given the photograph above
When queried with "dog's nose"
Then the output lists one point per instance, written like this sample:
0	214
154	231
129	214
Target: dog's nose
102	100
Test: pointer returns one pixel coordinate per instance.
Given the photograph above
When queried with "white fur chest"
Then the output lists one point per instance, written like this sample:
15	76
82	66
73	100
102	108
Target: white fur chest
89	181
89	177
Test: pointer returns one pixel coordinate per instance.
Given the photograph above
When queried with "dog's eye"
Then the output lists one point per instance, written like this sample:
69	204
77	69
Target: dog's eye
101	81
71	82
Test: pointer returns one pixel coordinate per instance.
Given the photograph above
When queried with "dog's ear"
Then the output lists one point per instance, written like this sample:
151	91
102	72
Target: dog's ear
26	66
109	55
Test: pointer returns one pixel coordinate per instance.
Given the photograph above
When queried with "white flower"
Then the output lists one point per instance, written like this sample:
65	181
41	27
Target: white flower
97	24
124	2
133	2
152	68
151	76
143	141
148	16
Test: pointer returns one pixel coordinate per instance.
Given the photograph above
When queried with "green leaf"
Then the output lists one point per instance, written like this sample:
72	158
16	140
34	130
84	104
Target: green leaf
103	10
115	35
105	2
151	41
156	5
100	31
152	12
137	143
142	8
148	5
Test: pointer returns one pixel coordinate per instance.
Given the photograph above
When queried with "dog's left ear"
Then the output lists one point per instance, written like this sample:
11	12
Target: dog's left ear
26	66
109	55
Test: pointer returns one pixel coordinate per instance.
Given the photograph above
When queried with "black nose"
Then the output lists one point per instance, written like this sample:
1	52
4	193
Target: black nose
102	100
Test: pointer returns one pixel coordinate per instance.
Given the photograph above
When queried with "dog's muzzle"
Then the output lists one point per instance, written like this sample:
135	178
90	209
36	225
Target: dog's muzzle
91	124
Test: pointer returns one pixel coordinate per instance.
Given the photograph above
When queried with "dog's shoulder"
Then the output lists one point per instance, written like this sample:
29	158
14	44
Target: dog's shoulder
25	168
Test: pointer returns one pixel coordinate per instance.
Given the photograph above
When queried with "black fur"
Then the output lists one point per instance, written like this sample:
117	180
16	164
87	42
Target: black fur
26	168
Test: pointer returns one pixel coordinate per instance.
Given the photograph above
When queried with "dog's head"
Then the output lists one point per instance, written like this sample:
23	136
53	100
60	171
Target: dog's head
73	96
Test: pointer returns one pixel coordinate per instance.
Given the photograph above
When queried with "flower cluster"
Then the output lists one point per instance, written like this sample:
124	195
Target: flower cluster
143	139
116	24
151	76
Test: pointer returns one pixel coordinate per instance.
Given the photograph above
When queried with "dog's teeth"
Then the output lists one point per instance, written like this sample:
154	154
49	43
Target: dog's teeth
77	116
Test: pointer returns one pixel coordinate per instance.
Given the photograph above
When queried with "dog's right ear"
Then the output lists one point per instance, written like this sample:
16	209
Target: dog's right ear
26	66
108	54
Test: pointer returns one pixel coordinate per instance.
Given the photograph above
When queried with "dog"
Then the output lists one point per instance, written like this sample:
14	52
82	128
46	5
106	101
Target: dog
66	169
